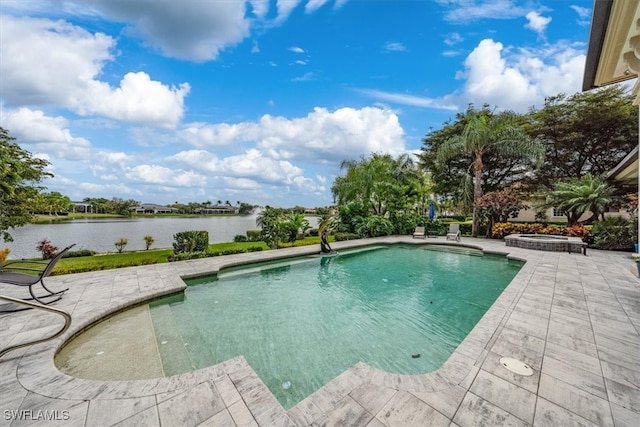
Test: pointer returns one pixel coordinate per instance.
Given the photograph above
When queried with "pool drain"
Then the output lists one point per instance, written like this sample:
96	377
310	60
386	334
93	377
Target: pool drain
516	366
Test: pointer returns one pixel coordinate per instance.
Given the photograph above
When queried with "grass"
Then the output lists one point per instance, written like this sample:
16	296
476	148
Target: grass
155	256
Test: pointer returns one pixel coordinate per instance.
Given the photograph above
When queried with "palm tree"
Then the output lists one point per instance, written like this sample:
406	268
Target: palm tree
485	134
577	196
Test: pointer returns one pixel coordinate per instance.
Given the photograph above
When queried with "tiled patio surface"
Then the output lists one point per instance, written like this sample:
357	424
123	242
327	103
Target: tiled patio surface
574	319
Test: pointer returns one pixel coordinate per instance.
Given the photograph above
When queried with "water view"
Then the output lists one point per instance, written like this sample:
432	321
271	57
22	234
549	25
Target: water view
100	235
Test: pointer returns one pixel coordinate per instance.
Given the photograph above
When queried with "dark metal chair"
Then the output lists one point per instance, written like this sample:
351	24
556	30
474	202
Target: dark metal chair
29	273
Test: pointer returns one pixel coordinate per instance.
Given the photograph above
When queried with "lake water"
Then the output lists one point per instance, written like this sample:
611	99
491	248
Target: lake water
100	235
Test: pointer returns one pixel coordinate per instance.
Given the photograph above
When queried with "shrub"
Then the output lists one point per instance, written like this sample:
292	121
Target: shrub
46	248
313	232
253	235
346	236
148	241
4	253
240	238
435	228
78	253
190	241
614	233
120	244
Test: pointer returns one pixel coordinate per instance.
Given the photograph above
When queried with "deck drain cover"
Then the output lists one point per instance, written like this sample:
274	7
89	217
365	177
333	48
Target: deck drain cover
516	366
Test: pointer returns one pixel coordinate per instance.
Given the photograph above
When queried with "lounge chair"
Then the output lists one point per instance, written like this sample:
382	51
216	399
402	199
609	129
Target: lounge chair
419	232
454	232
27	273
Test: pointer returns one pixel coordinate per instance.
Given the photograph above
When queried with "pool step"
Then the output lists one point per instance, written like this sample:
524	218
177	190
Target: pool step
200	353
174	355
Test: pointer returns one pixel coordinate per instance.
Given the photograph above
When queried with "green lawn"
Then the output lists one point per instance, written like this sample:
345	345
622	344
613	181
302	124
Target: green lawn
155	256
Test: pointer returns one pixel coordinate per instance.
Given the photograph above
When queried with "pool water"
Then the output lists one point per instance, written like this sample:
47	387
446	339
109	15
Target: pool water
302	322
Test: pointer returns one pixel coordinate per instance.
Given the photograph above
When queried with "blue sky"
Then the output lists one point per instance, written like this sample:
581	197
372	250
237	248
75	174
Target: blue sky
259	101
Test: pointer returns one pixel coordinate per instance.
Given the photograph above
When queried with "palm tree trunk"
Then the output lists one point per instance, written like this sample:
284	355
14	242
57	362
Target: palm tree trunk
477	194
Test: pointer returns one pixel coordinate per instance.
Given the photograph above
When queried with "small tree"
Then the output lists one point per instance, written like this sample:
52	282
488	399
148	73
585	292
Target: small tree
499	206
19	174
46	248
148	241
269	220
120	244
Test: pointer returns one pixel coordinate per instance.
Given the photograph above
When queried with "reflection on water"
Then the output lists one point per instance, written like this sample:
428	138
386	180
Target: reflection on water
100	235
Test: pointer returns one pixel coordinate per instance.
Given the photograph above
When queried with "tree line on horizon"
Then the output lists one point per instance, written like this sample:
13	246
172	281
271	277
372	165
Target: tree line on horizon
473	165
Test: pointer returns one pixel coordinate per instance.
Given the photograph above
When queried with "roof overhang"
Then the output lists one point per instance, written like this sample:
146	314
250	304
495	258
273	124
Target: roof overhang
613	54
626	172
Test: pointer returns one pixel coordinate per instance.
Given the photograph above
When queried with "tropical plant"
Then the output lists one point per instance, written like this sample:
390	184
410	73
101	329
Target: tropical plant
269	220
484	134
120	244
380	183
577	196
148	241
374	225
191	241
614	233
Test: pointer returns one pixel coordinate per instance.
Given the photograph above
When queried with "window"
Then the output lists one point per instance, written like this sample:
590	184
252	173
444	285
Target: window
558	212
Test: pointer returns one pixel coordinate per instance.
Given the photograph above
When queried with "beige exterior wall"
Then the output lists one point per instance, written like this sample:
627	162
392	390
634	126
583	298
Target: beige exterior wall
529	215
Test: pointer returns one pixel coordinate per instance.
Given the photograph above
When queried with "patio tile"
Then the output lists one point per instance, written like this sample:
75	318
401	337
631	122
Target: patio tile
574	376
549	414
624	395
573	399
241	415
108	411
372	397
346	413
146	418
191	407
476	411
406	410
446	401
503	394
623	417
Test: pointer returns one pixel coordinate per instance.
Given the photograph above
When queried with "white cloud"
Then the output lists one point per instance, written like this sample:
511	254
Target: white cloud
74	58
305	77
296	49
453	39
192	30
137	99
160	175
50	134
322	136
537	22
519	80
584	14
284	8
260	7
313	5
405	99
471	10
394	47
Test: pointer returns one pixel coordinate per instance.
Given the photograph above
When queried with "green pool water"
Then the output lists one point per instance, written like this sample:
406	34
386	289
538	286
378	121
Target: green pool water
302	322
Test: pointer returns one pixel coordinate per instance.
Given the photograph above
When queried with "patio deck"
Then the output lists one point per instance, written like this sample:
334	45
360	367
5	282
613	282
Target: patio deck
574	319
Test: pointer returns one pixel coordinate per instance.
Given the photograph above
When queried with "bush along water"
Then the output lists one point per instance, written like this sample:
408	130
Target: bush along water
190	241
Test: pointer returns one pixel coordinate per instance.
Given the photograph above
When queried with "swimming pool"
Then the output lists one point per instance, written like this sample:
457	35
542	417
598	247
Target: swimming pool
301	322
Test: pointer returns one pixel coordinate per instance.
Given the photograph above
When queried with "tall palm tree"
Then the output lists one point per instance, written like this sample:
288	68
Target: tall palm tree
485	134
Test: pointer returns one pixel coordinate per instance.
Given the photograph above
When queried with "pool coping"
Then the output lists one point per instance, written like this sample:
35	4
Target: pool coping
462	391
